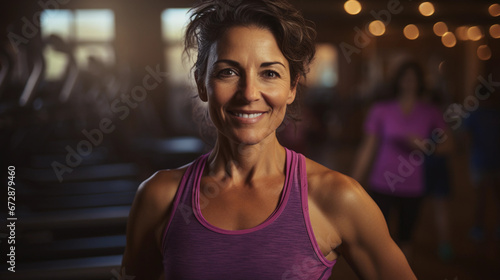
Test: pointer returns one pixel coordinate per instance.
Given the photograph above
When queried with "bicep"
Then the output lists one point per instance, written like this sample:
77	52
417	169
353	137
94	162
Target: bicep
142	257
366	242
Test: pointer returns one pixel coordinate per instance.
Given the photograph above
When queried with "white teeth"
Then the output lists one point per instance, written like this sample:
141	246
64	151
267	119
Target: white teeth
248	116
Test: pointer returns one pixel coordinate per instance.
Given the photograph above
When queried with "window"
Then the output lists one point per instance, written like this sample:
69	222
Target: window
324	69
173	27
181	84
91	32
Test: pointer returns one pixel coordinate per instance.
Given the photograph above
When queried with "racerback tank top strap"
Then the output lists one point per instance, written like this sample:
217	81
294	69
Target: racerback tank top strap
282	247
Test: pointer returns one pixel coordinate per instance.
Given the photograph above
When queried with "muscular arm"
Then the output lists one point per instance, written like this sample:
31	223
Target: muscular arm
344	215
366	243
150	209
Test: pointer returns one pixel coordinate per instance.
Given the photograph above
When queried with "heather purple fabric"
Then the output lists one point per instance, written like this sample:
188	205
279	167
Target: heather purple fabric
282	247
398	167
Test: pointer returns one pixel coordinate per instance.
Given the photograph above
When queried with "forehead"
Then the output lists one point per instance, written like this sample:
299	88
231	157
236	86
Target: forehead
247	42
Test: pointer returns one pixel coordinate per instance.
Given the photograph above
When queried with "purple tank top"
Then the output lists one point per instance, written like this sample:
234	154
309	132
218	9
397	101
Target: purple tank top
282	247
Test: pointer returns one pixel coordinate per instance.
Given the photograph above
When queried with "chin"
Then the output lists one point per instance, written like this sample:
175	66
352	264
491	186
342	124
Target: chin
249	137
248	140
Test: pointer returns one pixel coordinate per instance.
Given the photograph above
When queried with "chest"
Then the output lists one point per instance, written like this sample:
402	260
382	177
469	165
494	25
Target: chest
251	234
396	124
231	207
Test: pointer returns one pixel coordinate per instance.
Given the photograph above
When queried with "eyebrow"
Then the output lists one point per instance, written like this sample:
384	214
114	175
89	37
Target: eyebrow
266	64
234	63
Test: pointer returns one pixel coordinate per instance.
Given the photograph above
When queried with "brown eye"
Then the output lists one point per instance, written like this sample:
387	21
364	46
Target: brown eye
226	73
271	74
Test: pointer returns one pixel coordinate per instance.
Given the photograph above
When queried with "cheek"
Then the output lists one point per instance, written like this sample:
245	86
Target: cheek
219	94
279	98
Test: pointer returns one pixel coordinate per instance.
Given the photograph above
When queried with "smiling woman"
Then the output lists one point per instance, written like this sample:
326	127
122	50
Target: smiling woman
248	85
250	208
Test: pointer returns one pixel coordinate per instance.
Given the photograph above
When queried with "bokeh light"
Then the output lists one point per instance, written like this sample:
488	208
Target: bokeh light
484	52
440	28
426	8
495	31
494	10
377	28
411	32
448	39
461	33
474	33
352	7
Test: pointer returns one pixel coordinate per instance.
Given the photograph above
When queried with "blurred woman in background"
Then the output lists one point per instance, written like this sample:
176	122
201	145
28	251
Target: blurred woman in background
399	133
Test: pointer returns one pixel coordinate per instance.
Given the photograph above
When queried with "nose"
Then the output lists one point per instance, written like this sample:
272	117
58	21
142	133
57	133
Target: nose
249	88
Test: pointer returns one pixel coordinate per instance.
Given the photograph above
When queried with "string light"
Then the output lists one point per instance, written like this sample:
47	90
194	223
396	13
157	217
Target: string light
474	33
352	7
484	52
461	33
448	39
494	10
426	8
495	31
377	28
440	28
411	32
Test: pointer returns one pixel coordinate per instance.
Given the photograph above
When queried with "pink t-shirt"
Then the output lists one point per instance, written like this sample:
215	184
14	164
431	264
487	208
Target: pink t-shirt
398	165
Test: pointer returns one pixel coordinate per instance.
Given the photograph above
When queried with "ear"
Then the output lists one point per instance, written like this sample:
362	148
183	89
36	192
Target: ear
202	90
293	91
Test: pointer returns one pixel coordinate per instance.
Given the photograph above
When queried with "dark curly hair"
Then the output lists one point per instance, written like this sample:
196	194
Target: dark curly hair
294	35
409	65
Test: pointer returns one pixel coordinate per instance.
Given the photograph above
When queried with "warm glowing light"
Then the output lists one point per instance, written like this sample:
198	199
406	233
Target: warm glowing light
352	7
484	52
494	10
495	31
377	28
448	39
440	28
411	32
426	9
461	33
474	33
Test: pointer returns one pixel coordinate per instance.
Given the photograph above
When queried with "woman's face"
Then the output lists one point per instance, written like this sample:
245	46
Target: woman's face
409	82
247	85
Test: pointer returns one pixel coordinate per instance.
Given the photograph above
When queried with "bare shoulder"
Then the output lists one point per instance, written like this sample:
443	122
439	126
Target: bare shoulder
159	190
151	206
333	184
146	220
333	192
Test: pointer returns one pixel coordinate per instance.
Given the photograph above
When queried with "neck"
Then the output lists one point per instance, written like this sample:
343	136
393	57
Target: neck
240	162
407	98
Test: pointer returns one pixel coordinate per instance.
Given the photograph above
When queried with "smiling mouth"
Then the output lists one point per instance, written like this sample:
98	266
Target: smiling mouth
247	116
